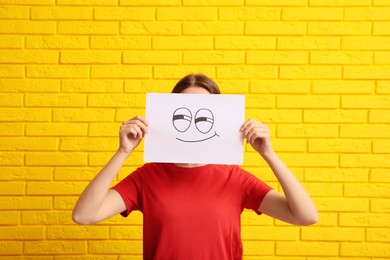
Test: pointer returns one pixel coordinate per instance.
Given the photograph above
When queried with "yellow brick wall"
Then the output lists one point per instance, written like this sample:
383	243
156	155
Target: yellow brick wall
316	71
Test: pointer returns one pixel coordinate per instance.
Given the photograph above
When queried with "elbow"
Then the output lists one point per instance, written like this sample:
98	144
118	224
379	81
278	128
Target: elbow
308	220
79	219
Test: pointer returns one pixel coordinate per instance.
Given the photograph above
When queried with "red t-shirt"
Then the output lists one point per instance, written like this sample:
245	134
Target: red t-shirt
191	213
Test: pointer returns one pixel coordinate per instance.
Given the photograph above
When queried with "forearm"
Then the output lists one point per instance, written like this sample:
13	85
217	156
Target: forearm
298	200
94	194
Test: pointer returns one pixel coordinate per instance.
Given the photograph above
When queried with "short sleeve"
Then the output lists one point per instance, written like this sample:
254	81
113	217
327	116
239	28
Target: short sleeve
253	191
130	189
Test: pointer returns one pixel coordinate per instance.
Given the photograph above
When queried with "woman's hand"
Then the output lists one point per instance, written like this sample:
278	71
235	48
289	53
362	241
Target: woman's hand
258	135
131	133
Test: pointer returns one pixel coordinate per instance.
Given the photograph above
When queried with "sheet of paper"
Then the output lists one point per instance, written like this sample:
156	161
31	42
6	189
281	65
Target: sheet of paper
194	128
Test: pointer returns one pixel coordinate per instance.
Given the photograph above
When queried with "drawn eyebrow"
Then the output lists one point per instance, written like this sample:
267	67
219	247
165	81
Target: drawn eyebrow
203	118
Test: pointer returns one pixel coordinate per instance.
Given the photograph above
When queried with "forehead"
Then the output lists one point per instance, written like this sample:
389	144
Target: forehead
195	90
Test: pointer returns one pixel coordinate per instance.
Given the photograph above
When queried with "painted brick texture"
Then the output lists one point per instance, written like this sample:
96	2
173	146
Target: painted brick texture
316	71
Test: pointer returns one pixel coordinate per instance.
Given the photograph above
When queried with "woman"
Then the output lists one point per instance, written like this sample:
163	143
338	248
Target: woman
193	211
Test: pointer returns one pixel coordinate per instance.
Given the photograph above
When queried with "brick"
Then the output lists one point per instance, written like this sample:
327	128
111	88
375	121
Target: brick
379	116
31	56
312	14
120	71
28	144
307	101
379	175
365	131
75	173
90	56
46	218
333	234
150	2
26	173
280	86
152	57
244	43
11	158
115	247
88	27
336	175
11	42
381	28
381	206
11	248
14	12
307	130
101	158
55	100
307	248
11	100
213	57
213	28
121	42
365	249
105	129
57	71
335	116
381	2
340	57
212	2
365	102
151	28
324	190
308	43
269	233
124	114
249	13
27	27
56	159
289	145
126	232
366	43
87	2
277	57
28	2
249	71
254	248
56	129
61	13
83	115
177	72
233	86
64	203
383	87
11	129
116	100
311	72
182	42
367	13
382	58
343	87
9	218
310	160
91	86
186	14
339	146
95	257
21	203
55	188
149	85
54	247
78	232
351	219
342	205
25	114
124	13
382	146
340	2
22	233
275	28
365	160
339	28
12	188
260	101
11	71
88	144
372	190
56	42
277	3
377	235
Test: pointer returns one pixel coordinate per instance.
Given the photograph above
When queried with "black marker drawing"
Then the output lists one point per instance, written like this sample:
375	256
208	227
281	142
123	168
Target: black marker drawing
204	122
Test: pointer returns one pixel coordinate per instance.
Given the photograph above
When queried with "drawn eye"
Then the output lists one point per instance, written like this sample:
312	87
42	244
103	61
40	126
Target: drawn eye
181	119
204	120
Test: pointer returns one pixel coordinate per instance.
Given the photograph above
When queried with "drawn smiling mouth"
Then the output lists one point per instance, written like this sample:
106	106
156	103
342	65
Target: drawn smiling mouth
195	141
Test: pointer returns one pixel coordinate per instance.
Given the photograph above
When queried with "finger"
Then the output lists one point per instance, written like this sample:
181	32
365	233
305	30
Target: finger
246	124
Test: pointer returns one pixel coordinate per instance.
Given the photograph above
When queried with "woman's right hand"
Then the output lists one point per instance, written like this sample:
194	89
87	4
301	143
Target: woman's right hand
131	133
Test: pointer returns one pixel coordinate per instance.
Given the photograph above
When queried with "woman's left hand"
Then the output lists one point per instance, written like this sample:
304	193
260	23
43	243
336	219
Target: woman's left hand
258	135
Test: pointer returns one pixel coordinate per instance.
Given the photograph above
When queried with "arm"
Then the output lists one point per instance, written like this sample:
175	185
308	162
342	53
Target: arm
98	202
295	206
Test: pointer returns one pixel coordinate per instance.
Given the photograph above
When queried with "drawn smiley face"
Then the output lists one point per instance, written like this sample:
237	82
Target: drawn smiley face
204	122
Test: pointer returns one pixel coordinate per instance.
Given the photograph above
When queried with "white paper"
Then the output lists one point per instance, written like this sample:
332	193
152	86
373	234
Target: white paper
194	128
